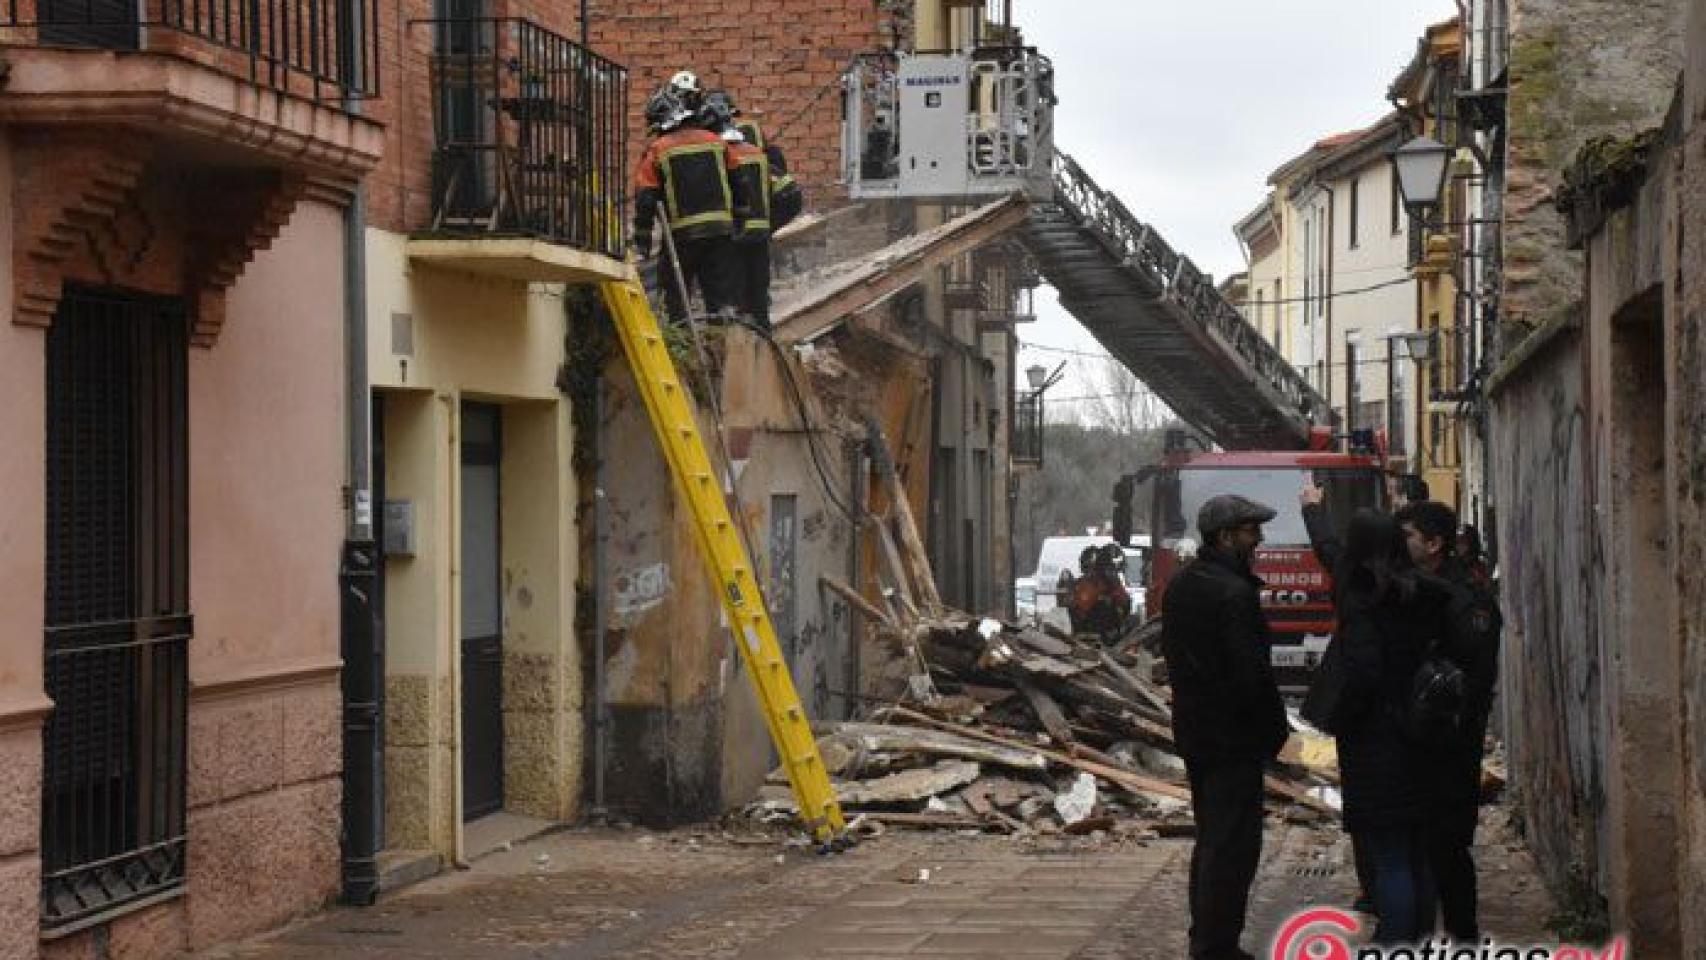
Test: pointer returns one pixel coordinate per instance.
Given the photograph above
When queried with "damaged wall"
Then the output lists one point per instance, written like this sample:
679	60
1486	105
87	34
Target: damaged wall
1551	670
1685	338
1579	69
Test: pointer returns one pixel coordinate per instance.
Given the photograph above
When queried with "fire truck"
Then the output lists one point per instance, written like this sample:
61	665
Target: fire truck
1297	596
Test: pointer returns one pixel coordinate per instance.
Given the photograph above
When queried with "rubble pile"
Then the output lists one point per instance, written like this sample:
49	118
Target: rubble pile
1021	731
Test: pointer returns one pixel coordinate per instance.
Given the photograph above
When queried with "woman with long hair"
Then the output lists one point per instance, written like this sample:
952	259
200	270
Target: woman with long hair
1390	615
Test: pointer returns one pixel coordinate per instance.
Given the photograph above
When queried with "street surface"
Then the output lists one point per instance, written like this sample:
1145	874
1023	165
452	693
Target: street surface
689	894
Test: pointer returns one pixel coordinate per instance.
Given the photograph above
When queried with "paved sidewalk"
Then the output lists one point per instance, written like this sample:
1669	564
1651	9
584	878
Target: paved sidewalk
597	894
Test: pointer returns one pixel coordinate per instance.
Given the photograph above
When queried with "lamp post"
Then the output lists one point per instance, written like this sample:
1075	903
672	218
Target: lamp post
1421	166
1037	376
1419	346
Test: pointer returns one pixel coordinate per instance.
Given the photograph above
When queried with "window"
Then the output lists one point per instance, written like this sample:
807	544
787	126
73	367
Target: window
117	624
1397	207
1356	209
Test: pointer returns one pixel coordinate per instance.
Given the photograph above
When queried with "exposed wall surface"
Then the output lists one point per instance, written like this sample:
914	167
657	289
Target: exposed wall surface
1685	340
1627	260
1577	688
1579	69
1550	685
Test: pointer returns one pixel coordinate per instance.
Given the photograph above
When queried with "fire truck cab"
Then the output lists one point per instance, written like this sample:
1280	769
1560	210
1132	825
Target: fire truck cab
1297	595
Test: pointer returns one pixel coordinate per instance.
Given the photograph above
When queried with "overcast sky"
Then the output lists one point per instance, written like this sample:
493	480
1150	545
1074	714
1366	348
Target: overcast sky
1184	107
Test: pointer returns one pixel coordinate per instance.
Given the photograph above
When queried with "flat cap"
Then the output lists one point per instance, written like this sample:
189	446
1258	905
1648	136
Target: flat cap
1230	510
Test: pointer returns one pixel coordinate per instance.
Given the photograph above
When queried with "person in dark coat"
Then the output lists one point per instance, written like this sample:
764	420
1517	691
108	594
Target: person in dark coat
1328	550
1228	720
1390	615
1430	531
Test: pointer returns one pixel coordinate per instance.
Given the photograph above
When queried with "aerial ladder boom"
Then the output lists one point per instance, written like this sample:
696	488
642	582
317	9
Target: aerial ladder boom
726	557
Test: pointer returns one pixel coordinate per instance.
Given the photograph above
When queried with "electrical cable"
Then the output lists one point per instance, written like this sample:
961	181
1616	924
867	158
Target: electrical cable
855	513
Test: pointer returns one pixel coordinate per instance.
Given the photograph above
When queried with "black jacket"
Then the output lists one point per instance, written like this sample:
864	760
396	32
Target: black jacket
1388	779
1474	646
1215	638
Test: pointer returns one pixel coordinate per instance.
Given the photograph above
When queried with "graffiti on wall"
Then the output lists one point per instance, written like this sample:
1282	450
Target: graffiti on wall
1551	664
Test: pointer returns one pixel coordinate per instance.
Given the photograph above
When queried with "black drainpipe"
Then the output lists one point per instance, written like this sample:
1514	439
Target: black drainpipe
358	575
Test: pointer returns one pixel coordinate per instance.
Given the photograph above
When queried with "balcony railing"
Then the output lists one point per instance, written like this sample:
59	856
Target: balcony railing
530	132
325	50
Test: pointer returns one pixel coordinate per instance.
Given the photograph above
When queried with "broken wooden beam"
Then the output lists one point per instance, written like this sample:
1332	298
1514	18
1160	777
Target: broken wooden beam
858	602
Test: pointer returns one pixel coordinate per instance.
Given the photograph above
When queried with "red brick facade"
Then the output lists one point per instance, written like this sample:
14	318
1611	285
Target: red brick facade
776	57
781	59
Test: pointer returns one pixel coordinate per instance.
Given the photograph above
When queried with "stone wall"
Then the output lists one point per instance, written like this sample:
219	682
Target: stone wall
1551	703
1685	336
1579	69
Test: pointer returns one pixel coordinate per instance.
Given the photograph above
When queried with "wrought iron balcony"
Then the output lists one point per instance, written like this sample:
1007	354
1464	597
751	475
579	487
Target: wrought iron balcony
324	50
530	135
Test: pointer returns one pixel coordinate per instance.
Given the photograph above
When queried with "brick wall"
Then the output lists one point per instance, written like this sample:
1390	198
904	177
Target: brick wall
1579	69
775	56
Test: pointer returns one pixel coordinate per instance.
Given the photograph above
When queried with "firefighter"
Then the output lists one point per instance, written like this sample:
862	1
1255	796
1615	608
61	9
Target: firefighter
686	88
686	171
787	200
1100	602
752	220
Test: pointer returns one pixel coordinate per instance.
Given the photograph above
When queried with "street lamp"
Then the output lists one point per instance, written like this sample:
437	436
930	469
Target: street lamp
1419	345
1037	377
1421	166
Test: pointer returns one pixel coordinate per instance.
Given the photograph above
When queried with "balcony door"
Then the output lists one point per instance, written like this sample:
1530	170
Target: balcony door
468	71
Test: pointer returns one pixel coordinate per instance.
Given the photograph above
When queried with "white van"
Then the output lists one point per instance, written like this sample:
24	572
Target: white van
1058	554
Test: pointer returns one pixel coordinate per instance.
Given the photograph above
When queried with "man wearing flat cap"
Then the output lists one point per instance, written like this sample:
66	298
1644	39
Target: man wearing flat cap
1228	720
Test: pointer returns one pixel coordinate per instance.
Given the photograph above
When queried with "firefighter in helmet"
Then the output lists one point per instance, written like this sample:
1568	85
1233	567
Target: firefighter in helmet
686	88
1100	603
687	173
787	200
752	219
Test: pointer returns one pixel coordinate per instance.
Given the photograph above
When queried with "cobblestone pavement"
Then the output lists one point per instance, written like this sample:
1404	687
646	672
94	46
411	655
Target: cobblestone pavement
594	894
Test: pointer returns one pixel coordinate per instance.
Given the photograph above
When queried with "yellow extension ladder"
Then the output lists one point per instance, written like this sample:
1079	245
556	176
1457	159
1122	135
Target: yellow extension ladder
726	557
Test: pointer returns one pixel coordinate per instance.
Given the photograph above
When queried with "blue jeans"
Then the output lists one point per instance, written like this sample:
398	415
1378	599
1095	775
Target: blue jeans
1404	901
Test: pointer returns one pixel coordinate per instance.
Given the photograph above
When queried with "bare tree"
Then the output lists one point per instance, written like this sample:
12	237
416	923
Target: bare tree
1120	402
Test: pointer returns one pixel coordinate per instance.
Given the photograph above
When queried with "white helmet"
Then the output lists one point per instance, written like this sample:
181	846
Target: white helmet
685	84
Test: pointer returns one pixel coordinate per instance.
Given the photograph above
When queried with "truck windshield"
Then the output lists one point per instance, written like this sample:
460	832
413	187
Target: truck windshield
1347	492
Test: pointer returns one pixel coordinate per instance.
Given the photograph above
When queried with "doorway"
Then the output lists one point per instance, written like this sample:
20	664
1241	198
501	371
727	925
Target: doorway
482	613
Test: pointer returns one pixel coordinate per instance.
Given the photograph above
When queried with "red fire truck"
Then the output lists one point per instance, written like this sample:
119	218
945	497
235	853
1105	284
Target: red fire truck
1298	592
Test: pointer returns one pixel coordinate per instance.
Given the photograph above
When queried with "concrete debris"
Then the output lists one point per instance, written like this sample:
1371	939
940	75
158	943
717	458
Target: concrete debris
1075	804
1033	734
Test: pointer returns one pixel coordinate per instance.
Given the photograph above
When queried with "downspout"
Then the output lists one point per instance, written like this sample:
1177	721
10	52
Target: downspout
359	642
1327	295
